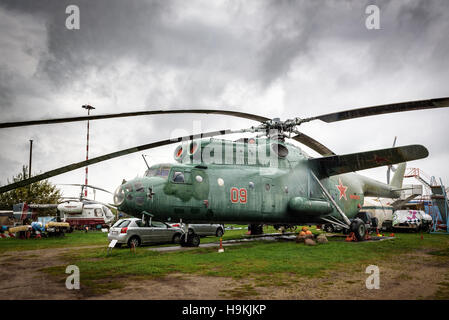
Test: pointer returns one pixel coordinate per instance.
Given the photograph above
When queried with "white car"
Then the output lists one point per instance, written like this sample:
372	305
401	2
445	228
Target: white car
412	219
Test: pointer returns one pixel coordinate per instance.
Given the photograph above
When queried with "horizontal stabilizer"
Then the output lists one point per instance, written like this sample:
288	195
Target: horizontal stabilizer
338	164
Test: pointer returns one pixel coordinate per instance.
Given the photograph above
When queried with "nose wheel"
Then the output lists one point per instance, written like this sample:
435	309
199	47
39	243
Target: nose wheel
193	240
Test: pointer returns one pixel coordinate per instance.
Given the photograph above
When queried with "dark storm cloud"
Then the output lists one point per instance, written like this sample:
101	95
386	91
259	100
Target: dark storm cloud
147	32
154	34
408	30
109	30
273	58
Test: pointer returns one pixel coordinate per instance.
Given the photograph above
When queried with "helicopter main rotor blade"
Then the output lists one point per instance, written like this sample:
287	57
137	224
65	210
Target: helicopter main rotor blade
133	114
312	144
109	156
85	185
382	109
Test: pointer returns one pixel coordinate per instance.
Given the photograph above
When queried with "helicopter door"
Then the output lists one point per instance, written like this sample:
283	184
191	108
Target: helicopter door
268	195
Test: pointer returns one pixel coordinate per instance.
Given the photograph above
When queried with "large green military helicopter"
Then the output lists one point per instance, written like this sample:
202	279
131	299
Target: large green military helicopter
264	179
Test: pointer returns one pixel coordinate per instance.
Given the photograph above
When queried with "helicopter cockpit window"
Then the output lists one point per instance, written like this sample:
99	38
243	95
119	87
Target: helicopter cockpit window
128	188
158	172
138	186
178	177
181	176
98	212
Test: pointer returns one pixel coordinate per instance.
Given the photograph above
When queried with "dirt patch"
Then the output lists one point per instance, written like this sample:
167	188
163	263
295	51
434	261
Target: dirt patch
408	276
21	278
173	287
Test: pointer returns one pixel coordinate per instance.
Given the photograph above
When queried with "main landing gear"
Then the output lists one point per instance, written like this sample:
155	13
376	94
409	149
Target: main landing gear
358	227
193	240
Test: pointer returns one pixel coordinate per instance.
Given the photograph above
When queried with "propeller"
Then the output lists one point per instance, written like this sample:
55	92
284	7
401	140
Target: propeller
390	167
109	156
267	125
312	144
84	185
133	114
68	199
382	109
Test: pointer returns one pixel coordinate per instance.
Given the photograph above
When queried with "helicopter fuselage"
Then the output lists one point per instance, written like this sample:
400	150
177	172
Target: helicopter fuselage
244	192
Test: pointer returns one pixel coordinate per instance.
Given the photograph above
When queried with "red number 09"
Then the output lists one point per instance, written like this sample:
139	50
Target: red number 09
239	195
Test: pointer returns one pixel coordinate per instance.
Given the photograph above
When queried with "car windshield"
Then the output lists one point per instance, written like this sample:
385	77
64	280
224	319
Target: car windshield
158	224
121	224
139	223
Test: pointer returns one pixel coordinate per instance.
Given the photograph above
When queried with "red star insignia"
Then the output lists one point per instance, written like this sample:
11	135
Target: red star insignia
342	189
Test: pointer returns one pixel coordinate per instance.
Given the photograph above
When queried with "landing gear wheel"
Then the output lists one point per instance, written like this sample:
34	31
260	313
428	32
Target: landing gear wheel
193	240
219	232
256	229
329	228
359	229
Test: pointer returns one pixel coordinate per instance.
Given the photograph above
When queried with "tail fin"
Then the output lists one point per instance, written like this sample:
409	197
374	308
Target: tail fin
398	177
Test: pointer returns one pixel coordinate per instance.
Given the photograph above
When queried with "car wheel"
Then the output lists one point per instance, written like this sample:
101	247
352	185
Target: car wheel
134	241
176	238
359	229
219	232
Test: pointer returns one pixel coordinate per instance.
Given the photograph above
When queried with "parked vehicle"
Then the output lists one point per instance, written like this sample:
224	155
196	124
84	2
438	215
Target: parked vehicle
414	220
370	223
134	232
203	230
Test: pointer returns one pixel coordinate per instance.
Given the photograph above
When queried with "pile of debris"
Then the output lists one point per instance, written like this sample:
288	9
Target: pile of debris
307	237
36	230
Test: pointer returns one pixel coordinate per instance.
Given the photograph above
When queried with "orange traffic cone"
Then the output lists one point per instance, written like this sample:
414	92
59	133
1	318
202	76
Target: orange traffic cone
351	237
220	250
132	248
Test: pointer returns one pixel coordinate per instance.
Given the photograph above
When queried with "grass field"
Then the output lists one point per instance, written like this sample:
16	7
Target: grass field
74	239
91	238
264	263
269	263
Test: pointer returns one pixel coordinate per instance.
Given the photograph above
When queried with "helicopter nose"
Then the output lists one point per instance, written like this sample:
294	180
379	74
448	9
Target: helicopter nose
119	195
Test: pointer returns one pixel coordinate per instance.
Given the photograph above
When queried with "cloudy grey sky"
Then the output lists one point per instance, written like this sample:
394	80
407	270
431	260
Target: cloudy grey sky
273	58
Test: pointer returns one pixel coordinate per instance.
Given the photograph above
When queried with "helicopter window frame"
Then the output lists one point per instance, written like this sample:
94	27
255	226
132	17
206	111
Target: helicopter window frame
98	212
186	176
138	187
162	172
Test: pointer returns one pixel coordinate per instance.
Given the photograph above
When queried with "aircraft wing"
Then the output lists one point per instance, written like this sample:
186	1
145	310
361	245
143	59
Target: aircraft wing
338	164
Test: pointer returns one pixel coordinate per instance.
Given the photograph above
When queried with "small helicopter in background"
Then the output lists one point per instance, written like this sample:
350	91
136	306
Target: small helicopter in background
78	212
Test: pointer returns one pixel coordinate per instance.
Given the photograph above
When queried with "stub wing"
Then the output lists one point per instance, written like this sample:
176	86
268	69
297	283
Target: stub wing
338	164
